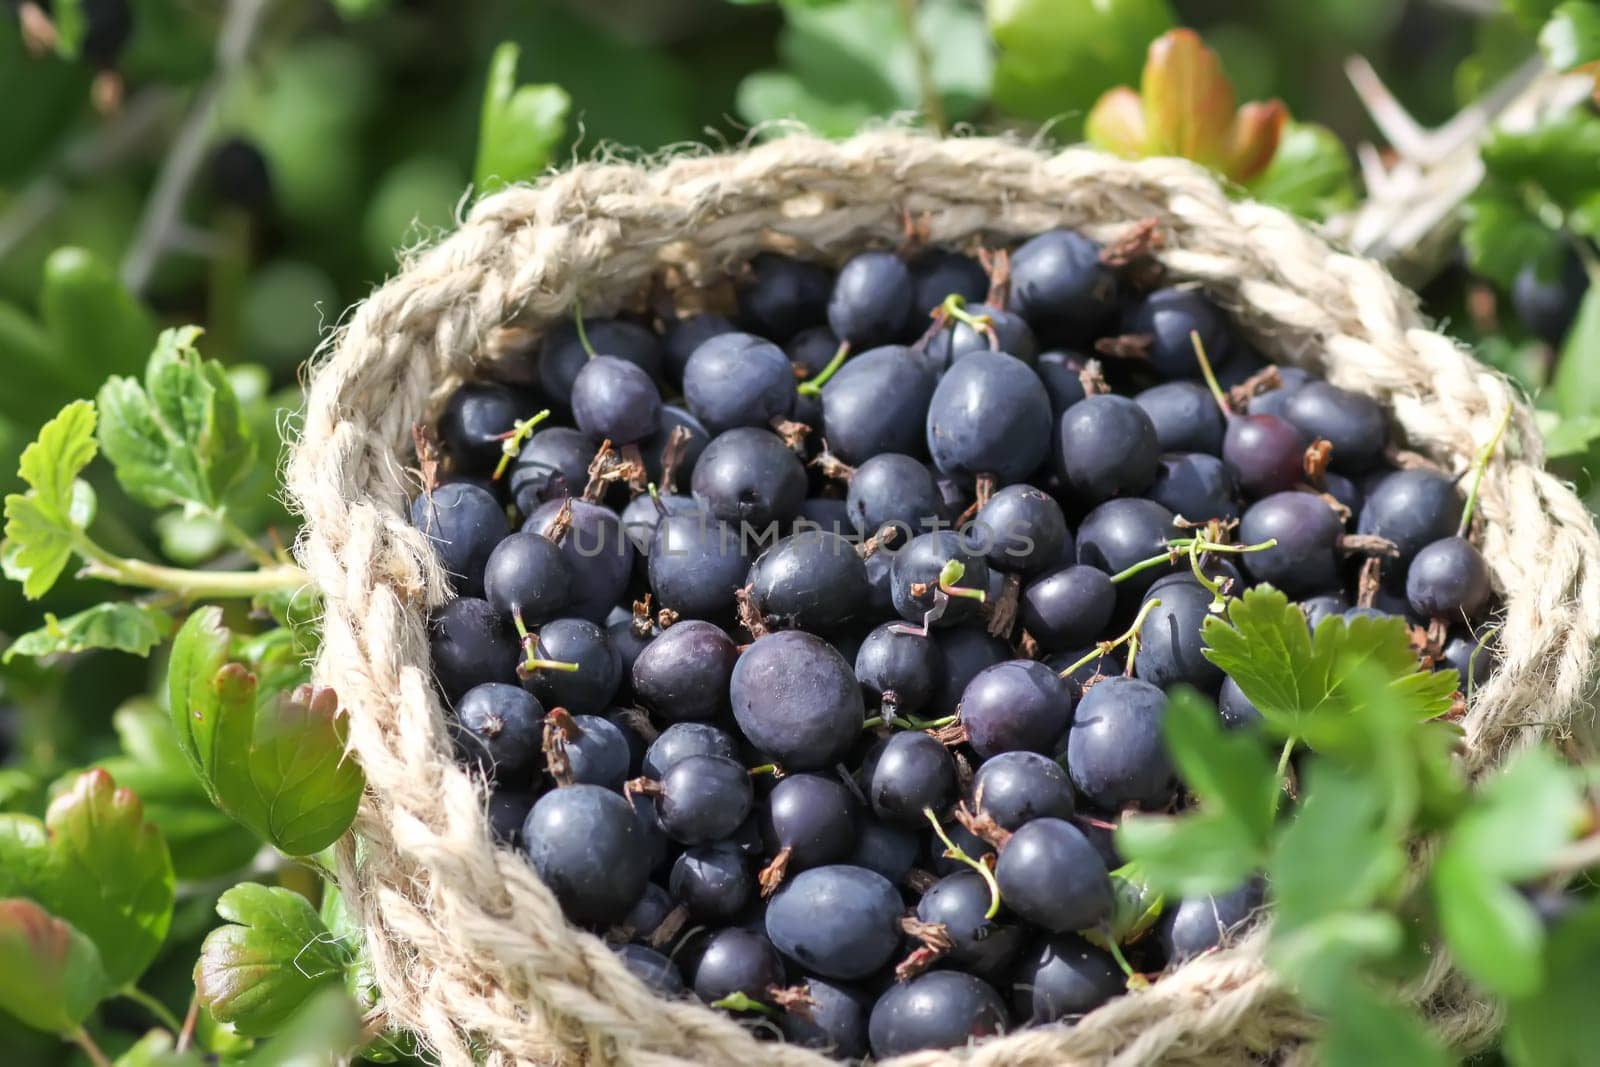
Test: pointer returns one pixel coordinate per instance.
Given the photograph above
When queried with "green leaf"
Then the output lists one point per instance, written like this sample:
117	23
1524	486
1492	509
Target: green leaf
52	463
98	326
1502	235
1557	157
204	842
43	524
158	1049
1310	175
1057	56
1189	855
520	125
326	1030
273	956
1558	1026
1303	682
37	547
276	762
1366	1028
1575	390
97	863
1522	817
1569	436
181	437
122	625
1138	904
50	974
1572	36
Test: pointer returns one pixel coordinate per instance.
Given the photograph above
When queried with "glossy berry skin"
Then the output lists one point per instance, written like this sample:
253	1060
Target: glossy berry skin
685	335
1265	453
704	799
589	689
713	881
1013	788
1060	286
586	844
939	273
1122	532
812	817
1448	579
886	848
527	577
1472	659
597	751
956	339
1062	375
1236	709
912	772
1352	423
1169	641
1274	401
471	643
892	488
1195	486
1322	606
597	551
652	968
553	464
1306	557
683	674
989	415
1106	446
796	699
1169	317
871	300
900	669
464	523
781	296
643	514
836	921
473	422
1051	876
963	652
1064	977
614	400
835	1022
940	1009
498	728
697	565
737	961
1019	705
1103	665
1413	509
1115	751
878	402
960	902
508	810
1185	416
1549	306
813	580
1023	529
682	740
915	577
563	356
748	475
1067	608
738	379
1199	924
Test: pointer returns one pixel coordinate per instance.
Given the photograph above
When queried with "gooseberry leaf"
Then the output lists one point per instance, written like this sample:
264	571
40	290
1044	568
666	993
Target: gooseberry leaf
1571	38
122	625
42	524
520	125
1524	814
275	761
274	954
50	974
1558	1024
180	437
98	863
1310	174
158	1048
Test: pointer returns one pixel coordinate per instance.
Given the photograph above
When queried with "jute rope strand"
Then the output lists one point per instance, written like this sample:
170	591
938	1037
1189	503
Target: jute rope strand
470	950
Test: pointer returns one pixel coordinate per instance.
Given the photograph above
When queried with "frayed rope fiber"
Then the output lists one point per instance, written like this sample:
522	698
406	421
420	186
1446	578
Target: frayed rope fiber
470	950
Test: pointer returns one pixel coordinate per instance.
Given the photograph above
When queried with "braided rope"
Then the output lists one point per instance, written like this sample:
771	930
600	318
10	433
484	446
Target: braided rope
469	948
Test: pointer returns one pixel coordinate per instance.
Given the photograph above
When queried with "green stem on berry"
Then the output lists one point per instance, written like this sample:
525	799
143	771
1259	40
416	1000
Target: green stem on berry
742	1002
813	386
1189	544
1479	466
1283	771
955	307
955	852
242	539
189	584
951	573
1115	949
1209	374
1107	647
81	1038
1482	641
583	335
765	768
511	443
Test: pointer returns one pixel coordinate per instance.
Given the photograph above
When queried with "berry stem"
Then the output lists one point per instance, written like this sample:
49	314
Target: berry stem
955	307
813	386
1283	771
927	88
81	1038
1209	374
511	443
153	1006
954	851
1105	647
1195	545
583	335
742	1002
952	572
1479	466
189	584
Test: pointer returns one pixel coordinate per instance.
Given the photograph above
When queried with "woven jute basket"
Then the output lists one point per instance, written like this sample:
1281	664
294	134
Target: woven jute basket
470	950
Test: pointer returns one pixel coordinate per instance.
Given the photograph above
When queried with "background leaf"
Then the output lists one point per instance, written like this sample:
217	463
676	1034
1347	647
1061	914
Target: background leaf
50	974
